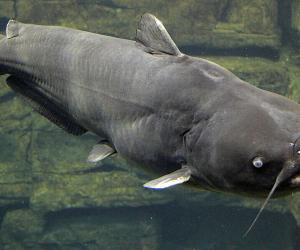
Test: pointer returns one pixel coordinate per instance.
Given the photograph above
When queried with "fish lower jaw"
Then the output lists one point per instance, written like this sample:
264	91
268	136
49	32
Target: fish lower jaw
295	181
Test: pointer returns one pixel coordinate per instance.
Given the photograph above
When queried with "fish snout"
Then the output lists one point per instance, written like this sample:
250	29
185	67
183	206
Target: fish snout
296	150
293	172
292	167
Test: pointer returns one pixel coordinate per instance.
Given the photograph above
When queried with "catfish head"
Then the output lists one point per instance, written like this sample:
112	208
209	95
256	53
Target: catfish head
244	149
249	147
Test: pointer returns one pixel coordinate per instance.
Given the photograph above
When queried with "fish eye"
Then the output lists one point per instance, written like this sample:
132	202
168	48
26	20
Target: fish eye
258	162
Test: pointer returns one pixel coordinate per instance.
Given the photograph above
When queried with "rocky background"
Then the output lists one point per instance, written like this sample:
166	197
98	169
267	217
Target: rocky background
50	198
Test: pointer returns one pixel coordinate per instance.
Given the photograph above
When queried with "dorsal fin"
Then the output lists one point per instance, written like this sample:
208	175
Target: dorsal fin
12	29
152	34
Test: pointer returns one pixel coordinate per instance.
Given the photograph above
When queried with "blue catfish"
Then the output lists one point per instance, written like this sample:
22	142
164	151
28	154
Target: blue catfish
185	118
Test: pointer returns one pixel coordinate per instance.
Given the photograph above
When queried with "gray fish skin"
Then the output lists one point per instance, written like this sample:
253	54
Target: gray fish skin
109	85
158	110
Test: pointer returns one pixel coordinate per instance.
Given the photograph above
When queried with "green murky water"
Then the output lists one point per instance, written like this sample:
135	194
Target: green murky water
50	198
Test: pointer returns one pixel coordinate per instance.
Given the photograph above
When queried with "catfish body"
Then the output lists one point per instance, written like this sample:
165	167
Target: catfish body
156	106
105	85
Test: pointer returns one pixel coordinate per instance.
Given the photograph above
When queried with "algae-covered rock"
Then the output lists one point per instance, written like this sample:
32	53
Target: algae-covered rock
20	230
103	189
80	229
102	229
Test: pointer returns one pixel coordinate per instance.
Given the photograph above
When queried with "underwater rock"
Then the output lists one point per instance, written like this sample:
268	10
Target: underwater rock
144	228
20	230
79	229
101	229
103	189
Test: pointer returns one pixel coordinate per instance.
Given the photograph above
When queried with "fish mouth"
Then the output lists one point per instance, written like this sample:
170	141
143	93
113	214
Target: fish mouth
295	181
289	186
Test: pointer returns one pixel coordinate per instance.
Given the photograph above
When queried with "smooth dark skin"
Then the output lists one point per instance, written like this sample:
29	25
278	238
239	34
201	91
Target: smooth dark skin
160	110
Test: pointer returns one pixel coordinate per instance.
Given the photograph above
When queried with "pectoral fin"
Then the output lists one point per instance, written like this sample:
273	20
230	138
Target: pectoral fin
179	176
99	152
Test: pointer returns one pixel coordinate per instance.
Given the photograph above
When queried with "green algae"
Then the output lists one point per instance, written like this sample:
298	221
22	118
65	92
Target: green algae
106	189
